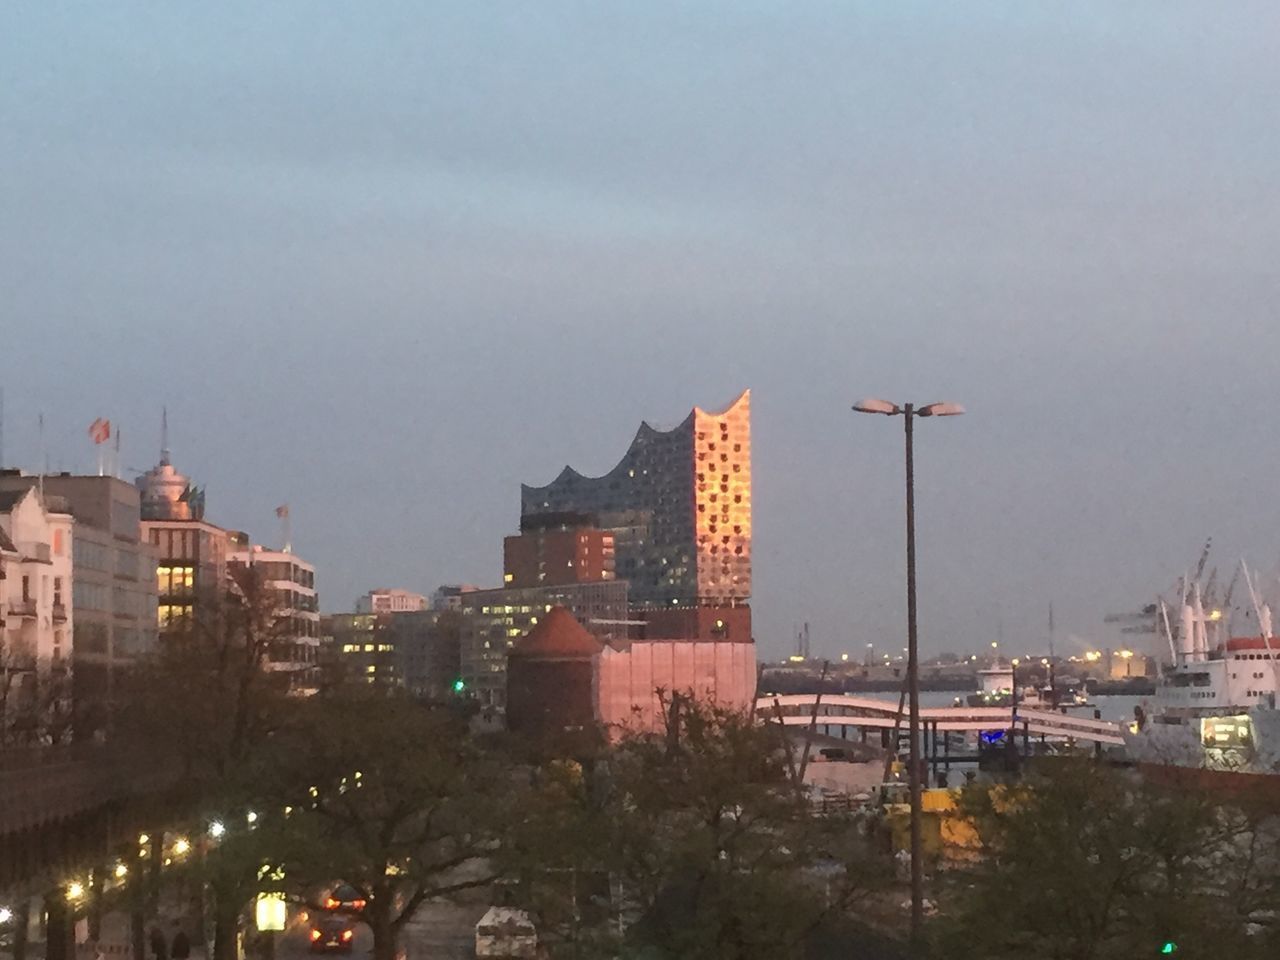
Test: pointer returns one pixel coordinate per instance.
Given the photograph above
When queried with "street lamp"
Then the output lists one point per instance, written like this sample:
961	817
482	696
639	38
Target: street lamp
908	413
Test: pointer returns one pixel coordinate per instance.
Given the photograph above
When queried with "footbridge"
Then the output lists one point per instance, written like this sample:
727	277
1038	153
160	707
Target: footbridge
839	713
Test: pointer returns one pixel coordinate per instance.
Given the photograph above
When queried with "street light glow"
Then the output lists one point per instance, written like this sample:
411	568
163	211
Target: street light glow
217	829
251	817
121	871
5	914
75	890
181	846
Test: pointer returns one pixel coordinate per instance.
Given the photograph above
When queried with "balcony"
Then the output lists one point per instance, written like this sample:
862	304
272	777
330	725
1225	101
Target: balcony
59	612
26	609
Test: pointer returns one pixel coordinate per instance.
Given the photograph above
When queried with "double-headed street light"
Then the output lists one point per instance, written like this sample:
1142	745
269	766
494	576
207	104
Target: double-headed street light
909	412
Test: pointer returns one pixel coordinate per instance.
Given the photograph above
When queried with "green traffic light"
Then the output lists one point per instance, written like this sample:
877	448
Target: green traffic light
459	686
1169	947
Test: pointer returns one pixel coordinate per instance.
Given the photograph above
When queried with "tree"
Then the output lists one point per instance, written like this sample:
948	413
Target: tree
1084	862
206	703
35	698
399	803
715	851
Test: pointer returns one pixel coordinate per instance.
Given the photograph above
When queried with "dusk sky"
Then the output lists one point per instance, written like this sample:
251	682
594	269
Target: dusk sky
386	261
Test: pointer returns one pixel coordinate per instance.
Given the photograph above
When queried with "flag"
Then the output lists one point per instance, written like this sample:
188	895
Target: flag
282	511
100	430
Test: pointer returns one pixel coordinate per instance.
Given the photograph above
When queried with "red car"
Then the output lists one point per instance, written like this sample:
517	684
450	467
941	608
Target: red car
332	935
345	898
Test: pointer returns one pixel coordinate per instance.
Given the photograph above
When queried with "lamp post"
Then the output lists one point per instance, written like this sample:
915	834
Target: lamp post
909	412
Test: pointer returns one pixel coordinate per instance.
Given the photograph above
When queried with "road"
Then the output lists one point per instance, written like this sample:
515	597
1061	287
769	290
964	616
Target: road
439	931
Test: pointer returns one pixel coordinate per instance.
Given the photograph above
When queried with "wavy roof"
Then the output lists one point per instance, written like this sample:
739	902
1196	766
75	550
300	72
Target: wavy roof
645	433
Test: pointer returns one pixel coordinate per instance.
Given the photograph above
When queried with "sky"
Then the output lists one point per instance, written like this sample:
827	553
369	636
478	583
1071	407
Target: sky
385	262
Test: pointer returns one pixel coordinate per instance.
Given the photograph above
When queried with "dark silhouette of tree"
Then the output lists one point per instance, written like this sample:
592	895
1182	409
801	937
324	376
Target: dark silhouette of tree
206	704
1084	862
711	850
398	803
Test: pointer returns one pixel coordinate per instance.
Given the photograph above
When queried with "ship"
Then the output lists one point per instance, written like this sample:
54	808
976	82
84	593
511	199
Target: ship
999	689
1213	718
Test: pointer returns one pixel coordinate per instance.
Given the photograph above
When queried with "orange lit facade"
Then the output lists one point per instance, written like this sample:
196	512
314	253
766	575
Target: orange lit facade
678	505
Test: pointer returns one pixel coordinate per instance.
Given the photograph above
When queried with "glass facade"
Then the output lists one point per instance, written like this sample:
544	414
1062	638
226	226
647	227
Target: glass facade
678	505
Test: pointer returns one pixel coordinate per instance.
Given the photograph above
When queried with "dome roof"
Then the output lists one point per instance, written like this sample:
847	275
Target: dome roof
558	636
165	493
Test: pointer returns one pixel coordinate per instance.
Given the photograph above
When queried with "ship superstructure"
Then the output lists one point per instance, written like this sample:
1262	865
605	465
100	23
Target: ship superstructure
1215	706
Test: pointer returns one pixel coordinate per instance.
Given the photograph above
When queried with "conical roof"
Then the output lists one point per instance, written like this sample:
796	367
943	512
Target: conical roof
557	636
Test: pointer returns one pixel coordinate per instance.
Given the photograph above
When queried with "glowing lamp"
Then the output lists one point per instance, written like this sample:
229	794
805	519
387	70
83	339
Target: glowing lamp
270	912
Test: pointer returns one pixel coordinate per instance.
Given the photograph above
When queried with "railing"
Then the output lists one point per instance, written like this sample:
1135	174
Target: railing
59	613
22	608
845	710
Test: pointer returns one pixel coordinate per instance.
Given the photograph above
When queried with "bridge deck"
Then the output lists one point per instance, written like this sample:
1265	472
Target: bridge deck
845	710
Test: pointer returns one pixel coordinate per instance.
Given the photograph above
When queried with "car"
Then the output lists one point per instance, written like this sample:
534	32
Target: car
330	934
344	898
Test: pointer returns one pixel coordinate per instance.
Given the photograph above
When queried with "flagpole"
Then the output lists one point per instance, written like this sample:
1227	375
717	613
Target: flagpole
282	512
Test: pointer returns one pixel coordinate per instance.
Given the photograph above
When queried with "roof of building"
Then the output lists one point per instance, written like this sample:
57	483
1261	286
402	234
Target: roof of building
6	544
558	635
52	504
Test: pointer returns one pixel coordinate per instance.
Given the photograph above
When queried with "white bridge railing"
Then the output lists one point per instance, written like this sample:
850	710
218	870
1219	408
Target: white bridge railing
842	709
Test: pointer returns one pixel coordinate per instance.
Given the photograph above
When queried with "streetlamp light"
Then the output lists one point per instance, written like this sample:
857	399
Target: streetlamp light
909	412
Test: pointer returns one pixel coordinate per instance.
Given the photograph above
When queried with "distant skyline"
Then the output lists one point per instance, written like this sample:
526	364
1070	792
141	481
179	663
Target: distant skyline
386	265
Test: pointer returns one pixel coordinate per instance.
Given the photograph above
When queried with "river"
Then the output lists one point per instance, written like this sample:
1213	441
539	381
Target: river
1118	709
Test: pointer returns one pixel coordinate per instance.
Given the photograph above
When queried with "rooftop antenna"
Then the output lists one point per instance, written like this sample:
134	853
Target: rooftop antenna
115	464
164	435
282	512
44	457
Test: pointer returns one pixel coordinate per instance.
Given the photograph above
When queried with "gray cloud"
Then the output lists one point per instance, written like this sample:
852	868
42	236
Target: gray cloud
388	264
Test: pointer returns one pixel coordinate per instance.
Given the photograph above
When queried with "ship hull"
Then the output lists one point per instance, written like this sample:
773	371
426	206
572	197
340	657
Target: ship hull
1226	784
1179	754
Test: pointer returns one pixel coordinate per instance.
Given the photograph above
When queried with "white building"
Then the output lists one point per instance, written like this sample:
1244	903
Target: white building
35	601
391	600
294	583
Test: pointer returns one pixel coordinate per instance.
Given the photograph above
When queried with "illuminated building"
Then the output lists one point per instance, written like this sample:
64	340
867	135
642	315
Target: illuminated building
36	621
557	548
359	648
561	679
105	602
413	650
389	600
292	581
679	507
493	620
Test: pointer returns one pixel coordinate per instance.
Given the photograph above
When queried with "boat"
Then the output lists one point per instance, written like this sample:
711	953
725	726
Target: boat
996	689
1213	718
999	690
